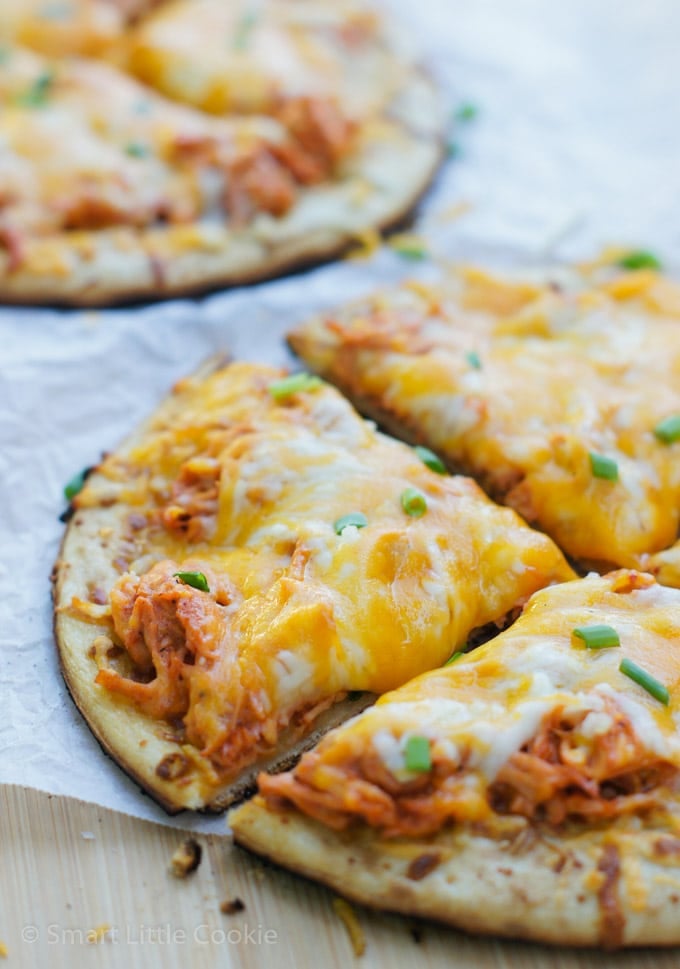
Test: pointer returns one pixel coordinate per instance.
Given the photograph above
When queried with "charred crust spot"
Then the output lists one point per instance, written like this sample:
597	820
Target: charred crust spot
172	767
612	921
423	865
505	871
231	906
186	859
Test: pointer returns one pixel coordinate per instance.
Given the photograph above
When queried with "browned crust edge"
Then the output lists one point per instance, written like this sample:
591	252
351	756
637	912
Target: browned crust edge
535	885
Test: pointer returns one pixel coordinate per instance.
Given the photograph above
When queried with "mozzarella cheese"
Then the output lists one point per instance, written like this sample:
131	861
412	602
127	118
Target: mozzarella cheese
247	489
566	372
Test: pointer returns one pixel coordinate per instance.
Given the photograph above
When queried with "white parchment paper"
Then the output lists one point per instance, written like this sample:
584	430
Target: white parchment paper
577	144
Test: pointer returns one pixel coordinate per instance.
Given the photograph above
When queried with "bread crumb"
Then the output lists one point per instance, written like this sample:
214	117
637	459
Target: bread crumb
232	905
348	916
98	933
186	859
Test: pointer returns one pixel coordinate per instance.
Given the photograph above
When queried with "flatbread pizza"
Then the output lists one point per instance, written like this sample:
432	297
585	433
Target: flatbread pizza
528	789
198	144
255	562
560	395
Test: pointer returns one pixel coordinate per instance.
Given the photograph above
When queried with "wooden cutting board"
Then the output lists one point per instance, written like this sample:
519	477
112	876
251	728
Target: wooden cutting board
68	869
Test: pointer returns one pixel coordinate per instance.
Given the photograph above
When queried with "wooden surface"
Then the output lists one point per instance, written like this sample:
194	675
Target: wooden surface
67	868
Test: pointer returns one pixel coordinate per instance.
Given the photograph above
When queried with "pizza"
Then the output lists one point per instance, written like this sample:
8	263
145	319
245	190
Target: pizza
254	563
154	149
529	789
560	395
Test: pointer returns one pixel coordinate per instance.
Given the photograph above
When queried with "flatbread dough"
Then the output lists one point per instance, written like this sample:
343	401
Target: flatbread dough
552	390
193	688
550	806
112	191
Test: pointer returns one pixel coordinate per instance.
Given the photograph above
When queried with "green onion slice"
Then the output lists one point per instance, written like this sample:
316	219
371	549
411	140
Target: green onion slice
244	30
668	430
640	259
474	359
36	96
597	637
603	467
456	655
136	149
467	111
355	518
195	579
430	459
417	754
413	502
295	383
76	484
645	680
409	249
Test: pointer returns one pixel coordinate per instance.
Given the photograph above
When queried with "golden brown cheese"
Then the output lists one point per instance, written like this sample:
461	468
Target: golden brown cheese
524	385
533	723
254	55
245	488
83	147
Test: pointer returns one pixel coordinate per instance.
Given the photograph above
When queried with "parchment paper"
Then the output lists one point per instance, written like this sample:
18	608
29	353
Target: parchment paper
576	144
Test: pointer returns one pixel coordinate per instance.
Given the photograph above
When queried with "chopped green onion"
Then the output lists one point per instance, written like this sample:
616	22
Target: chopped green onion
645	680
430	459
294	384
195	579
76	484
36	96
55	11
639	259
668	430
413	502
354	518
467	111
597	637
456	655
142	106
409	248
417	754
136	149
474	359
244	30
603	467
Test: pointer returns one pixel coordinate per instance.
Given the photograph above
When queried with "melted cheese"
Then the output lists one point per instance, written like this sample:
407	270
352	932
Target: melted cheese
592	368
98	149
317	613
250	57
486	703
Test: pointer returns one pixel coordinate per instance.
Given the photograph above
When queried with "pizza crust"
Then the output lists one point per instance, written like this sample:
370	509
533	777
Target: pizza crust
393	157
526	882
138	743
119	266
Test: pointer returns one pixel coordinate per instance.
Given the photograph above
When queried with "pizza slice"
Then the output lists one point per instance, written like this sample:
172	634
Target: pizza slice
254	557
529	789
560	396
110	191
